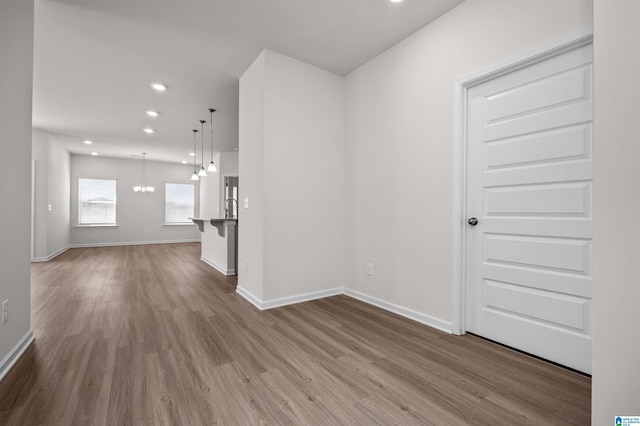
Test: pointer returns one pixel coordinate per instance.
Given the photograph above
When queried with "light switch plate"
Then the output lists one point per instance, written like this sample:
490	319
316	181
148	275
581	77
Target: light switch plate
246	203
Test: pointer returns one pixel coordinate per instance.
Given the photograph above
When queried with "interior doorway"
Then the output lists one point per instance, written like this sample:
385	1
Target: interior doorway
230	197
525	217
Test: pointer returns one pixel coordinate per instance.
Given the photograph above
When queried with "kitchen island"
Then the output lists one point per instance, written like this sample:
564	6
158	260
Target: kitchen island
219	243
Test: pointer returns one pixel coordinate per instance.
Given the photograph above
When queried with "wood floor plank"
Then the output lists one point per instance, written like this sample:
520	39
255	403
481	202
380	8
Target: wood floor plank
229	405
151	335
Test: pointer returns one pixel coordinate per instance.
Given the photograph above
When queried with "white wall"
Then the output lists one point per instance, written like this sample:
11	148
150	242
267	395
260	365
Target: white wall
616	318
211	187
40	156
53	186
229	164
399	145
301	183
303	178
210	192
251	147
16	70
140	218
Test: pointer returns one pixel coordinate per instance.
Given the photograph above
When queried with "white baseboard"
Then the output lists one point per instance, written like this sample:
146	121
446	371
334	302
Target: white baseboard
299	298
132	243
126	243
217	267
14	355
429	320
434	322
51	256
290	300
250	297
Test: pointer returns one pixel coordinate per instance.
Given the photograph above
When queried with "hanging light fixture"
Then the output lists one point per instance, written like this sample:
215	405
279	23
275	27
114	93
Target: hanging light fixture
194	176
144	189
202	172
212	166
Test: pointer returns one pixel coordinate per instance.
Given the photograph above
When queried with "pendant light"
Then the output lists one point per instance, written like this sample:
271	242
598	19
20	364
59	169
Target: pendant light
202	172
194	176
144	189
212	166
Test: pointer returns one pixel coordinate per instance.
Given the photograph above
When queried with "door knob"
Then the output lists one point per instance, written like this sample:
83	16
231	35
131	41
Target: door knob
473	221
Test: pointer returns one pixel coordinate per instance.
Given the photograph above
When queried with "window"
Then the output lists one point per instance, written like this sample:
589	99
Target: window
178	203
96	202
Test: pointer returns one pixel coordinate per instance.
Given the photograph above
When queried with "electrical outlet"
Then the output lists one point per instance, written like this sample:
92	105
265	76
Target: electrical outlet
369	268
246	203
246	266
5	311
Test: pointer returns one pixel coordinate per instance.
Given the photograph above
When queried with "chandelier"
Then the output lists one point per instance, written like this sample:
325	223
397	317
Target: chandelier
143	189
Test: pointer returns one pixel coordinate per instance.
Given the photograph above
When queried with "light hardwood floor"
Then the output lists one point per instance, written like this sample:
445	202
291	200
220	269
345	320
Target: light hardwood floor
151	335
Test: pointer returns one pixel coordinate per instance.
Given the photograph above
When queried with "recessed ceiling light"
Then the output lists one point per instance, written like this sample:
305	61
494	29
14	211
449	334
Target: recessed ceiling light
159	87
94	153
152	113
193	154
395	1
88	142
184	161
148	130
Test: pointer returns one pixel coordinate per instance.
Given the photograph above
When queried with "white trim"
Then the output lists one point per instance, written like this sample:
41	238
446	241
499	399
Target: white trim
14	355
132	243
574	40
290	300
51	256
305	297
128	243
542	52
425	319
459	208
217	267
33	210
429	320
250	297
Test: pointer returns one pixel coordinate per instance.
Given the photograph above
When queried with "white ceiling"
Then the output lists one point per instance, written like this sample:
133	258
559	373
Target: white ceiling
94	62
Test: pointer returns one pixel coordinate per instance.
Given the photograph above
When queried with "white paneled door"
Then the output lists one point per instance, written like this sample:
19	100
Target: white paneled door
529	186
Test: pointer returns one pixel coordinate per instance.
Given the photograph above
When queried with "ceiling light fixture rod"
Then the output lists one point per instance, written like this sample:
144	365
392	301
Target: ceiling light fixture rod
212	166
194	176
203	172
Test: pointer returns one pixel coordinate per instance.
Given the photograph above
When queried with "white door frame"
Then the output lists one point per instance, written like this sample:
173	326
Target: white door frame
532	56
33	210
